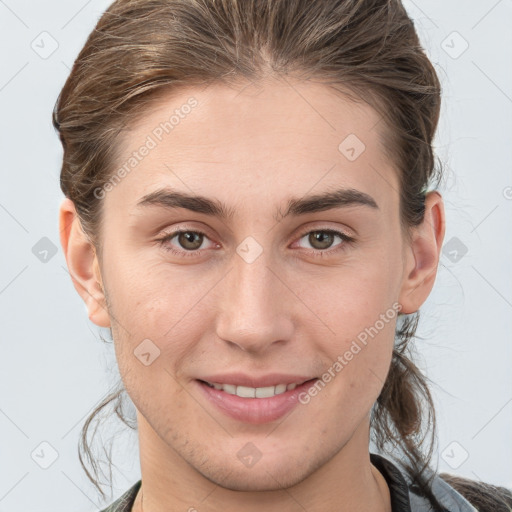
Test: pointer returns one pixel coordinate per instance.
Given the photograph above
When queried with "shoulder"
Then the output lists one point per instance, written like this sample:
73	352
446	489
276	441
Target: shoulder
484	496
453	494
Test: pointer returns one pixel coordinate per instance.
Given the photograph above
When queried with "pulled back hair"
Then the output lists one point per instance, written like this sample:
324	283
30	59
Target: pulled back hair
364	49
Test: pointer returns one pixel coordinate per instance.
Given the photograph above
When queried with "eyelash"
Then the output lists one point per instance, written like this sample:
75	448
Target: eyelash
346	240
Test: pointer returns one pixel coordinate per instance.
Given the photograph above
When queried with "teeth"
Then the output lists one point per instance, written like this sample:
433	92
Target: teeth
229	388
265	392
248	392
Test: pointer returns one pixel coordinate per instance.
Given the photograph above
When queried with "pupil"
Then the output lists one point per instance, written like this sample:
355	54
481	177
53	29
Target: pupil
321	236
187	238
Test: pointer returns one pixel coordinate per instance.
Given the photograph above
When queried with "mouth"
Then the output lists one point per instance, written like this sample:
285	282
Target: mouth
256	405
249	392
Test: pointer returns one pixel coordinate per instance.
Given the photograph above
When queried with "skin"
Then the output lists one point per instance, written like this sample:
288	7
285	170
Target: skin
253	148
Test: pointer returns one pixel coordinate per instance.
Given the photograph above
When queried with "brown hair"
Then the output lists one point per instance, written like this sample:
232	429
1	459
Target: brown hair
367	49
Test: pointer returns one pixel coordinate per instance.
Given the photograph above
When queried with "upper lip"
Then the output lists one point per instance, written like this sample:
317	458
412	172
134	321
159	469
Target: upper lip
241	379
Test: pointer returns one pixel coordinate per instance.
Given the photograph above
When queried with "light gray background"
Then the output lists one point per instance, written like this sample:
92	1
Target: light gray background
54	368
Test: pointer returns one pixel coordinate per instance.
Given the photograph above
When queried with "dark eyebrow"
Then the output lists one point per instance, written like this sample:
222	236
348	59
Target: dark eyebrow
337	199
171	199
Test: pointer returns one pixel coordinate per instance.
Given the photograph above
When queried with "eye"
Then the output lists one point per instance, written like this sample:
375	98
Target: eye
321	241
189	240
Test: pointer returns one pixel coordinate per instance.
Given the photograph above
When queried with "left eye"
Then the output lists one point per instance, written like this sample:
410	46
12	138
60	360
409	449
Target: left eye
323	239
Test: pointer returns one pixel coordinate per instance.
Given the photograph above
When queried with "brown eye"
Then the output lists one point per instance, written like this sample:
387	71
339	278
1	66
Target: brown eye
190	240
184	242
325	242
321	239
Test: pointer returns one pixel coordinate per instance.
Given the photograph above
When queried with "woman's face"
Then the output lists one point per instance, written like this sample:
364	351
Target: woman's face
263	288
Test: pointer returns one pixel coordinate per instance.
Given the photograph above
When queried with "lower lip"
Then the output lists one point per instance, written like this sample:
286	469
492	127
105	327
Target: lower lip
255	410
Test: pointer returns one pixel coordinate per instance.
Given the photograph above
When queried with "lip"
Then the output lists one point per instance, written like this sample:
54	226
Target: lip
254	410
242	379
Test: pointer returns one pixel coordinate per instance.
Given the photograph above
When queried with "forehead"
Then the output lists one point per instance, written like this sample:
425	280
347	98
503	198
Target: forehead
260	140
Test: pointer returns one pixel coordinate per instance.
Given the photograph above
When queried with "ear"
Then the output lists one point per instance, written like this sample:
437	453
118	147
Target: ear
422	255
82	264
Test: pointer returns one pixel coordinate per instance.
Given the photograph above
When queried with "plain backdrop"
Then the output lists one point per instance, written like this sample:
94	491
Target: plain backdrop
54	368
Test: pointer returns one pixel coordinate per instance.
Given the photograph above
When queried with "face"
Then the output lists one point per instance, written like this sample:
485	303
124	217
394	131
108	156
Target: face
290	269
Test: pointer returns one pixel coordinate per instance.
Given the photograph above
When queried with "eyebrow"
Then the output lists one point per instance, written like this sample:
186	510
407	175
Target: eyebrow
171	199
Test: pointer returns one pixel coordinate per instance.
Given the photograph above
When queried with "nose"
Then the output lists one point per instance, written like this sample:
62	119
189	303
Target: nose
255	306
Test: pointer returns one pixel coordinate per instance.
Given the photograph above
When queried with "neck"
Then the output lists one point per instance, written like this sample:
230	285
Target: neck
347	482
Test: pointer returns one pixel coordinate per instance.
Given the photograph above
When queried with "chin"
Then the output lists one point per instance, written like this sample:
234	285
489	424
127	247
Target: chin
263	478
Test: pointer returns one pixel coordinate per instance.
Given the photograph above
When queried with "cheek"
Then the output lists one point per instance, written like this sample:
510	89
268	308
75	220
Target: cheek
350	299
150	298
164	314
361	315
360	365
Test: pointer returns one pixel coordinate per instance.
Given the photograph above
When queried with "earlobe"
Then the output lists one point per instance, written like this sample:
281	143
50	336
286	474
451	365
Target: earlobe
82	264
422	255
